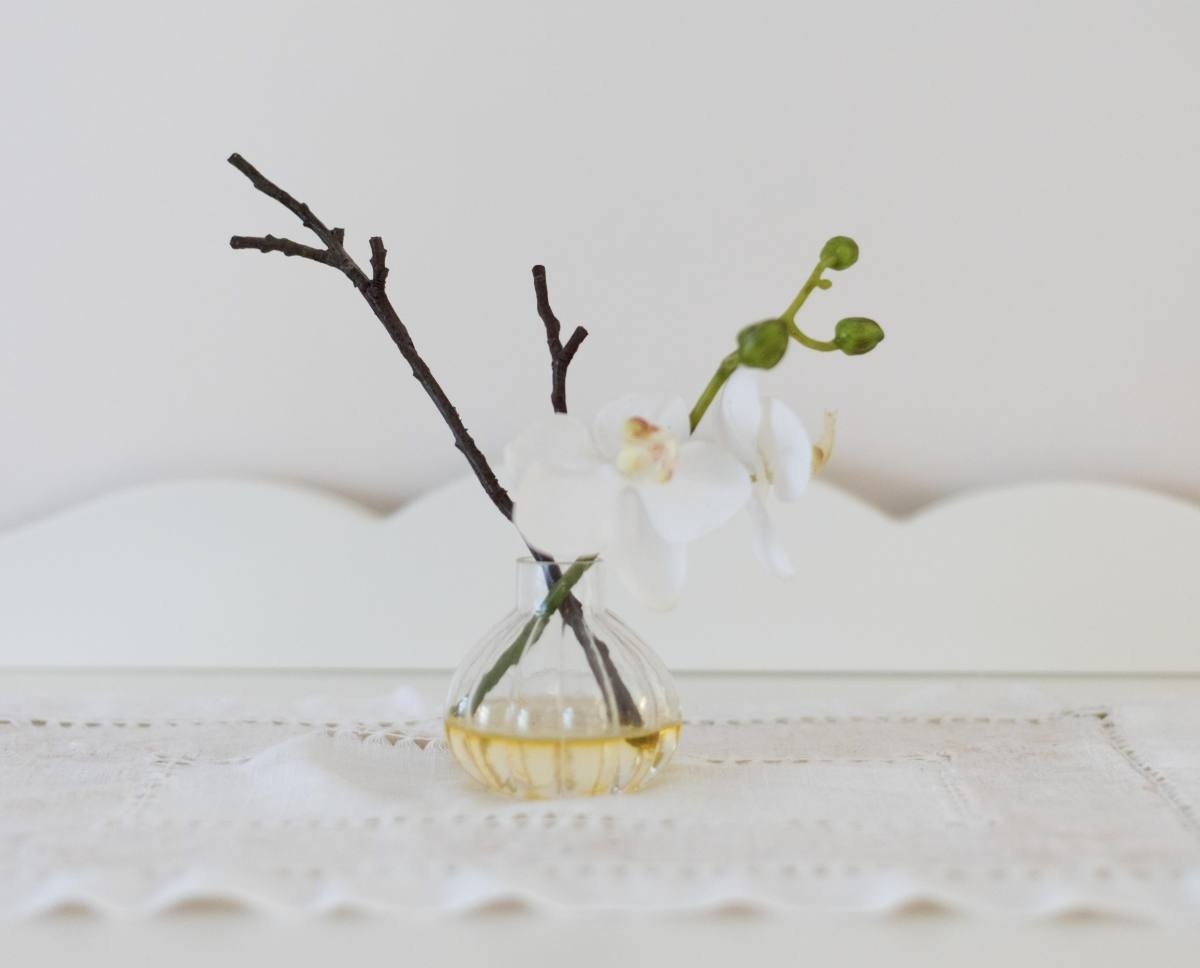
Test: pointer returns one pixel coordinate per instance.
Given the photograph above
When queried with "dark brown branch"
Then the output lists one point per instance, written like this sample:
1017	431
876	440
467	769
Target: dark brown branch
297	208
572	347
379	269
373	290
269	243
599	660
560	355
553	326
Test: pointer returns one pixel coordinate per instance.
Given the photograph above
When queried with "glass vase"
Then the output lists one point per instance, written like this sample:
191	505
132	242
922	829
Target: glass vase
562	698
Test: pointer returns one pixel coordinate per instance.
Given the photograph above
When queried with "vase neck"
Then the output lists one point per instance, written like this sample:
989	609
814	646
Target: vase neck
536	580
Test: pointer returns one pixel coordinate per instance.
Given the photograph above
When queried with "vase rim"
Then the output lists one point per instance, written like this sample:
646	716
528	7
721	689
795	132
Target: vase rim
560	562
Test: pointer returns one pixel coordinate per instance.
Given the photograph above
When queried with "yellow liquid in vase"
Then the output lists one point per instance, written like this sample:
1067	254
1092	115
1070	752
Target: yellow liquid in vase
529	765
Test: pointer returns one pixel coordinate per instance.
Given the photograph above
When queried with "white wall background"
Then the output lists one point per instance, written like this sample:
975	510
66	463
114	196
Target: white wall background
1023	179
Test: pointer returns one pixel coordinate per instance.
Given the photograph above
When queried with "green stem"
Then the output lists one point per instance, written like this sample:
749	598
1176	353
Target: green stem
812	282
533	629
730	363
558	592
821	346
724	372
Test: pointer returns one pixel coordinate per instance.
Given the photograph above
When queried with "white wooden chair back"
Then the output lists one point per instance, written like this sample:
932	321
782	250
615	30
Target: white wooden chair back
1059	577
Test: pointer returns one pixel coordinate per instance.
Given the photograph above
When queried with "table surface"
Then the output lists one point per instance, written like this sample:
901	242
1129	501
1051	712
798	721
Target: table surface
510	935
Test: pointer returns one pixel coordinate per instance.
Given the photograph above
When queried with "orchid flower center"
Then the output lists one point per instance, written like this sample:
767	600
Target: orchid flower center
766	473
648	452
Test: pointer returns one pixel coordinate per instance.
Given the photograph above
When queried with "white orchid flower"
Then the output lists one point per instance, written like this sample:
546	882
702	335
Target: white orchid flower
635	488
773	446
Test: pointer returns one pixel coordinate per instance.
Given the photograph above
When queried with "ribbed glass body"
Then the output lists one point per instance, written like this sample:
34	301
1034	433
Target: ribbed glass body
562	698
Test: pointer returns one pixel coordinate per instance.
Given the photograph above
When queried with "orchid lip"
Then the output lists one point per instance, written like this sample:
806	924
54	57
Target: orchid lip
649	453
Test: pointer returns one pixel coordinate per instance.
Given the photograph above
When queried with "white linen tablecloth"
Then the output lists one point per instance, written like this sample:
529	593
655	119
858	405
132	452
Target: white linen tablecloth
999	798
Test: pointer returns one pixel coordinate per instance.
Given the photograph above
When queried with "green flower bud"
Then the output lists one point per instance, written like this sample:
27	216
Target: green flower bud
840	252
857	335
762	345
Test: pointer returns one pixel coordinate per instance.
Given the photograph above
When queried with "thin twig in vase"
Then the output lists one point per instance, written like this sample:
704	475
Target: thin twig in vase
373	290
560	355
599	659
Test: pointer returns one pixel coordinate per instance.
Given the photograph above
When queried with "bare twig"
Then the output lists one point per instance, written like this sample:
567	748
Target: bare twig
373	290
269	243
379	269
572	347
560	355
330	237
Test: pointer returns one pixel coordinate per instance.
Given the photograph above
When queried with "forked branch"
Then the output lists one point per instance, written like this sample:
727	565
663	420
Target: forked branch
560	354
374	290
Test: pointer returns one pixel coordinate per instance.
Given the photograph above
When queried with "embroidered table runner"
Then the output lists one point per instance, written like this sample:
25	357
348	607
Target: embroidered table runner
311	806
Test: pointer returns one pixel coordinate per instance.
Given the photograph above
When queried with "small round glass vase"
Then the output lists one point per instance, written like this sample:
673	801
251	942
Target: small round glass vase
562	698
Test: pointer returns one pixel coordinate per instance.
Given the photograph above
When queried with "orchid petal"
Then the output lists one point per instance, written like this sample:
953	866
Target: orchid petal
667	413
767	546
556	439
653	569
566	512
787	450
706	490
739	415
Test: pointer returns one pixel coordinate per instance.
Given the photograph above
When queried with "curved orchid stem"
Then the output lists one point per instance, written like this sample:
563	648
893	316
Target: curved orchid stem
814	281
820	345
724	372
732	362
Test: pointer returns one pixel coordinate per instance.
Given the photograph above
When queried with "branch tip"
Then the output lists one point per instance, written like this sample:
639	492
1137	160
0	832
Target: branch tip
571	347
269	243
560	354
